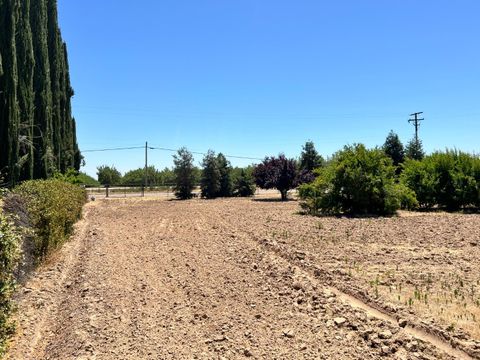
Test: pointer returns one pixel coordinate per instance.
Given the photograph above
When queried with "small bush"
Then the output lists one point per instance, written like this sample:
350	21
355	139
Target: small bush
53	207
357	181
9	254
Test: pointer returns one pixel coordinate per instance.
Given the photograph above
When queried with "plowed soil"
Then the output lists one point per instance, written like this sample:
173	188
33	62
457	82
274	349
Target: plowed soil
238	278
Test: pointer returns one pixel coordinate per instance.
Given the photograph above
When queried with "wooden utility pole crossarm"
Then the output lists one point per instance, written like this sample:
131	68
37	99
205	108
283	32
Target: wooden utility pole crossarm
416	122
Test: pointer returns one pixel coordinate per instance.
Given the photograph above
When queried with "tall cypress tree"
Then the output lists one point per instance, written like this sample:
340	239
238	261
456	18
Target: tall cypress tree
26	64
37	131
56	63
72	158
8	91
43	96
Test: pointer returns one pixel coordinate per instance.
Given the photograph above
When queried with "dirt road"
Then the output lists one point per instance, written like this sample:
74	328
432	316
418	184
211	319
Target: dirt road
150	279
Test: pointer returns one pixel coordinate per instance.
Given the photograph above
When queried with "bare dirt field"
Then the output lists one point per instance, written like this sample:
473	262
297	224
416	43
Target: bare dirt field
239	278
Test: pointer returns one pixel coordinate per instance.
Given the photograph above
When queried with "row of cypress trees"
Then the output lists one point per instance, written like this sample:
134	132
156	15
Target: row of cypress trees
37	131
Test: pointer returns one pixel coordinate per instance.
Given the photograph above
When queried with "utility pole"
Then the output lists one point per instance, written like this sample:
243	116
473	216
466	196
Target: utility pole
145	175
416	123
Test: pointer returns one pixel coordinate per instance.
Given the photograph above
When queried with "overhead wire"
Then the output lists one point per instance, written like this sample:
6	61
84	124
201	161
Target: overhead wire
202	153
165	149
114	149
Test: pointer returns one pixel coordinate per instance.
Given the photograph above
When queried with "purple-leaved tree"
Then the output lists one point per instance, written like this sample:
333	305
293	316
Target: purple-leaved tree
276	173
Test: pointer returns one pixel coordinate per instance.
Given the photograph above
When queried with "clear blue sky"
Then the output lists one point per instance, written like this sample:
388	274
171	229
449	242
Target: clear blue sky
256	78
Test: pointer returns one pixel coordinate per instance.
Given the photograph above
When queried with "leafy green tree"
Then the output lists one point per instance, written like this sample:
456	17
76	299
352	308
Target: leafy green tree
357	181
225	176
197	175
184	174
393	147
420	177
108	175
244	184
414	150
310	159
237	172
134	177
87	180
276	173
210	181
449	179
137	177
167	176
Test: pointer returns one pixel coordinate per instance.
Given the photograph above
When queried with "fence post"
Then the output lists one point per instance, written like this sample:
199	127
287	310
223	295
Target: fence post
106	191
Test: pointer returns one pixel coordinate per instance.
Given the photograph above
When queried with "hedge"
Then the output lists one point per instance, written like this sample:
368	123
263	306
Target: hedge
9	254
45	210
449	180
53	207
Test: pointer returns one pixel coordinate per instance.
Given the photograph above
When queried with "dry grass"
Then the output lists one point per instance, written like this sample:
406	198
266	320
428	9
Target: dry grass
451	302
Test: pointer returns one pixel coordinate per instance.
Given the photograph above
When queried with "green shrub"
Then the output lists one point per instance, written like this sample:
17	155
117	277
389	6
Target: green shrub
53	207
317	197
449	179
419	176
9	254
357	181
401	197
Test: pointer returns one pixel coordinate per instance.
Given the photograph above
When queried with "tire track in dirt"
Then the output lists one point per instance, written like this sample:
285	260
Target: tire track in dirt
417	333
40	297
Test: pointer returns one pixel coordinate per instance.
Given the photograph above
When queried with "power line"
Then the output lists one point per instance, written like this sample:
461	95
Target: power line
114	149
166	149
202	153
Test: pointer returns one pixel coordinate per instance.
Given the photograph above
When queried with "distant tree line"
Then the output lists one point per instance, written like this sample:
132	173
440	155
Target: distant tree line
219	179
109	175
216	177
37	131
355	180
